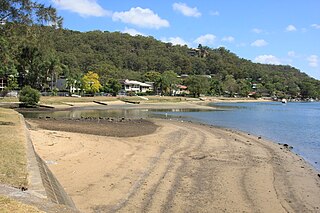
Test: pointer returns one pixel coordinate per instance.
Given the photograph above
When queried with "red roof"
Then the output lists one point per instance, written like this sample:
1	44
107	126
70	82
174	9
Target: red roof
182	87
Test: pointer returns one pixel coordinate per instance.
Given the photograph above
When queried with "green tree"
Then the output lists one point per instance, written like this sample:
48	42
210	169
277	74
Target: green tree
31	67
293	89
197	85
29	96
168	81
53	68
216	87
308	90
28	12
230	85
91	83
244	87
112	86
154	77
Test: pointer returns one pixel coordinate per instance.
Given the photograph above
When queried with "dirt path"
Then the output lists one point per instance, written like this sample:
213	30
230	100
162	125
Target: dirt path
181	167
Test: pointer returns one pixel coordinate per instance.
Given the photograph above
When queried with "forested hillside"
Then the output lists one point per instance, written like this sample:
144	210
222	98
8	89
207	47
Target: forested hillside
36	53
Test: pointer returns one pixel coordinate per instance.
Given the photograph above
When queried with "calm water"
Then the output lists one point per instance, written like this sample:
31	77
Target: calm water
104	112
297	124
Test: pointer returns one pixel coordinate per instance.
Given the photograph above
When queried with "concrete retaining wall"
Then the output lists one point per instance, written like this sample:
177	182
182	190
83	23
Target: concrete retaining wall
54	190
42	182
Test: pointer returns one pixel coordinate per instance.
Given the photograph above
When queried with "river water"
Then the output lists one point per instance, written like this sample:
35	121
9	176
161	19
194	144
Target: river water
296	124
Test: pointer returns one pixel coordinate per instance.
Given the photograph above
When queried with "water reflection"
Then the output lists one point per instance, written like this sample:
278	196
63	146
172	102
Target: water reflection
107	113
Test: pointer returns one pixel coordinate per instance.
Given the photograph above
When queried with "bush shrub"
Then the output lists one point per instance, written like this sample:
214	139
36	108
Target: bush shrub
29	97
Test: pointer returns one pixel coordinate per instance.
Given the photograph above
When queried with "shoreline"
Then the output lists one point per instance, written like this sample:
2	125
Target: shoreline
292	176
287	146
67	103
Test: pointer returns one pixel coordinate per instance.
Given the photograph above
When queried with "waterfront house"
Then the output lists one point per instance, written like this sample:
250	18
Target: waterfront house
180	90
135	86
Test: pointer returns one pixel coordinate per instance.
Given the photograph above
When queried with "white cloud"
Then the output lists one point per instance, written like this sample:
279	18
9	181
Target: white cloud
82	7
206	39
186	10
313	60
316	26
175	41
256	30
229	39
141	17
291	28
214	13
259	43
132	32
267	59
292	54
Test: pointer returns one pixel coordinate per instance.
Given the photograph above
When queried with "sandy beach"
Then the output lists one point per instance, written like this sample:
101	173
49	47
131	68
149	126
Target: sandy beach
174	166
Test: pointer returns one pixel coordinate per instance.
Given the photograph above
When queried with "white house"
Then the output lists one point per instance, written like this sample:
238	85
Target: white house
135	86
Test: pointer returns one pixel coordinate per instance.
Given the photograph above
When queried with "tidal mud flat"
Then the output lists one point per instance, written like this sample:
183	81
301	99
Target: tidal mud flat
171	166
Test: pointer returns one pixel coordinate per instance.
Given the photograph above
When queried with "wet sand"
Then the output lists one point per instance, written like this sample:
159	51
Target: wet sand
114	127
176	167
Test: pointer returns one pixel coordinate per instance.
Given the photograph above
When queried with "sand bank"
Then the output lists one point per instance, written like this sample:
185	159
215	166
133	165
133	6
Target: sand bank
179	167
154	102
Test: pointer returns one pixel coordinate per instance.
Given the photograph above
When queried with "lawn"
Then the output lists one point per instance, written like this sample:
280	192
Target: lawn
8	205
63	100
13	160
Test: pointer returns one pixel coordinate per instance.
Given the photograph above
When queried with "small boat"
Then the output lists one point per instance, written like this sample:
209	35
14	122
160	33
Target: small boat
284	101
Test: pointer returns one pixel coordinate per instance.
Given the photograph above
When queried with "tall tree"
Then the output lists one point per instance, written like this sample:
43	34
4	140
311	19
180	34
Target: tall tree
154	77
112	86
16	34
230	85
28	12
198	85
91	83
168	81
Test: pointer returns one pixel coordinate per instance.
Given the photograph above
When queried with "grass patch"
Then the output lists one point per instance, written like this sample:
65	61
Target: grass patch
13	160
154	99
159	99
8	205
9	99
62	100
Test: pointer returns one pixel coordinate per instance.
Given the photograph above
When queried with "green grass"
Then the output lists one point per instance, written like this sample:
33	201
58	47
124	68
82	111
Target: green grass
154	99
9	99
159	99
13	161
62	100
8	205
51	100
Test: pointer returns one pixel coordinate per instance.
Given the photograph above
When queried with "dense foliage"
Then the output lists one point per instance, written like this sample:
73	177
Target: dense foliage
29	97
197	85
37	55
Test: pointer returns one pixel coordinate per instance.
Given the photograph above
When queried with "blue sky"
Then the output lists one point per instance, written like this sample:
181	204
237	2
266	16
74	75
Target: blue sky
264	31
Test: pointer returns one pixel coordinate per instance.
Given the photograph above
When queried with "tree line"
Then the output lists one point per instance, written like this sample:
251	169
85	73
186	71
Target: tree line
36	51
